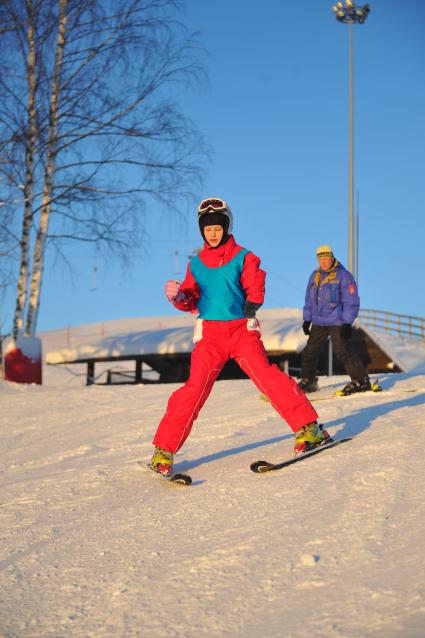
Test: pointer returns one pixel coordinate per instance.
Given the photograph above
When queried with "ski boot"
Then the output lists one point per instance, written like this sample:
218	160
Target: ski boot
310	436
308	385
161	462
358	386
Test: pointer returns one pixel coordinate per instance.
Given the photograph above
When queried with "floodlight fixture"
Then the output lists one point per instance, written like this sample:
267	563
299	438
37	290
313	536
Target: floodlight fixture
349	13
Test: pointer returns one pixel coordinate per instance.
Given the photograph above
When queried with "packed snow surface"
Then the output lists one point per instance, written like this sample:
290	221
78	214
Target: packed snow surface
92	546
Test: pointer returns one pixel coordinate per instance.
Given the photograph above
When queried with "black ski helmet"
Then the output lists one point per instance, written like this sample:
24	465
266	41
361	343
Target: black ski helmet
214	210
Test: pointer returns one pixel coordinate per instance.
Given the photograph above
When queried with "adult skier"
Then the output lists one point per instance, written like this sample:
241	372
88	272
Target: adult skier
224	284
331	305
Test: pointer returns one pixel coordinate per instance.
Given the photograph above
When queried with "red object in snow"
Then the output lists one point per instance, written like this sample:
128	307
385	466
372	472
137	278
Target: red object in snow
23	361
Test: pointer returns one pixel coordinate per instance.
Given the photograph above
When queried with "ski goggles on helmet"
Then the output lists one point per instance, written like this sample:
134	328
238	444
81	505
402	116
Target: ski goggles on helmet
213	204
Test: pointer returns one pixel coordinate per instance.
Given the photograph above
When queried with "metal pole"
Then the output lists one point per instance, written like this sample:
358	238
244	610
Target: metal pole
351	266
357	244
350	14
330	357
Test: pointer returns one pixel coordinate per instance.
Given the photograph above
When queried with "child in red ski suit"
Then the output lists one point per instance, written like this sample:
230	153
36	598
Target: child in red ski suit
225	285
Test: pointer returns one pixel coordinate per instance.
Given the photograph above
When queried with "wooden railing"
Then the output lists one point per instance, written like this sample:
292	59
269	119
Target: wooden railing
381	321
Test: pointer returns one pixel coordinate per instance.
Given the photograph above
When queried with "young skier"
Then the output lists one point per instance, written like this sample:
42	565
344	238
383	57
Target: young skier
225	285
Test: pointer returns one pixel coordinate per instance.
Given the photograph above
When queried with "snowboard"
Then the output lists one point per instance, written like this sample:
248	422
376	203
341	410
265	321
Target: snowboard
174	479
259	467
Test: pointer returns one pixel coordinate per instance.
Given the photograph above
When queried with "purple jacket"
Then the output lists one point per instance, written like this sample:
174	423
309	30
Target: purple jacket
331	298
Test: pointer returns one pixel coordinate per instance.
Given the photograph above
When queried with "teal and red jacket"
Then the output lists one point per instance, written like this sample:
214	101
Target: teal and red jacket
219	280
331	298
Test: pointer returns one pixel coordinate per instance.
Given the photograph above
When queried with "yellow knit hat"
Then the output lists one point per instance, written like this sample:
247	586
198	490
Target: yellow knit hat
325	251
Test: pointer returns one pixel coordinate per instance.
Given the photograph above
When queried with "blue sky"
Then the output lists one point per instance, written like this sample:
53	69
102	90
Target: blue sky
275	111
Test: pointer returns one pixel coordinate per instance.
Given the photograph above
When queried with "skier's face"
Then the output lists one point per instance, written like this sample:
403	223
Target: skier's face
325	263
213	235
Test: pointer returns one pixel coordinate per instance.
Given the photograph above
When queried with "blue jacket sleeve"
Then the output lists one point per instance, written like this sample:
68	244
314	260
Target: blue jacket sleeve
349	298
307	313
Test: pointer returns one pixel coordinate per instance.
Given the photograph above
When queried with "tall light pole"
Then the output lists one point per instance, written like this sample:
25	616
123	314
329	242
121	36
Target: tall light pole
348	13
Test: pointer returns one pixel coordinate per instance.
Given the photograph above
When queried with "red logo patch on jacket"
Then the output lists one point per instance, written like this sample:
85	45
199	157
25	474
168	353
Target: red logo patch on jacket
352	289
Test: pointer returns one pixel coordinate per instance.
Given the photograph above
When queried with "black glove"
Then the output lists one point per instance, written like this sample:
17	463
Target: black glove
306	327
346	330
250	308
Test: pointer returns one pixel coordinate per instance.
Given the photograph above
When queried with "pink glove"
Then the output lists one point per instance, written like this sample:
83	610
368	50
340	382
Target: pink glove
171	289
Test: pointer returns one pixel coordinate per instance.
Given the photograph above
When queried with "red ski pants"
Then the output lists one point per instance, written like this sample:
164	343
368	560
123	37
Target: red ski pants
223	340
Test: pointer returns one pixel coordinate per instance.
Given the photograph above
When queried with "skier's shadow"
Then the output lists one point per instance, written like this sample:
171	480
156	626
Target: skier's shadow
352	425
188	465
357	422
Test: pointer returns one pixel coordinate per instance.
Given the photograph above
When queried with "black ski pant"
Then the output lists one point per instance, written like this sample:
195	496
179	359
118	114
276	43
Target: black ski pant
316	341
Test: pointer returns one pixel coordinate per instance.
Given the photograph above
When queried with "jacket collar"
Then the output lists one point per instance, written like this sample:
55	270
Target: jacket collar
219	254
329	274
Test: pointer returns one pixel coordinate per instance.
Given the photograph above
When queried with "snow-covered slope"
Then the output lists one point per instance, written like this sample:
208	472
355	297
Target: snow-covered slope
92	546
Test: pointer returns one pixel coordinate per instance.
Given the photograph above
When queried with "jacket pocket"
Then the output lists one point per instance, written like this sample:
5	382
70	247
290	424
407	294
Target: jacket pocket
334	294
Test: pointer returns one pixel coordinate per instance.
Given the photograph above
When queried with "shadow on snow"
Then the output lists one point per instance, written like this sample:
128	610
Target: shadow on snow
357	422
353	424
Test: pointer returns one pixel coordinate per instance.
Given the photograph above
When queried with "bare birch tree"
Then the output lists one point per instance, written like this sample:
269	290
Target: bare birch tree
30	139
49	173
90	127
